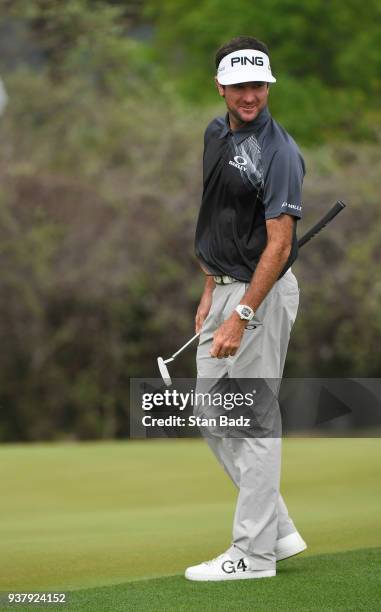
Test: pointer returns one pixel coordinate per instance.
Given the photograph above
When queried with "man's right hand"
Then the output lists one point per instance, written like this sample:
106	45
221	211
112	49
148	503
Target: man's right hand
205	304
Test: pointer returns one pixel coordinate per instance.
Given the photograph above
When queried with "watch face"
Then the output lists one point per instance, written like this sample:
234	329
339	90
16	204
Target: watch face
246	312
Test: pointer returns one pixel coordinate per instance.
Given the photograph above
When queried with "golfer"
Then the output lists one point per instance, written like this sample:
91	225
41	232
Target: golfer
246	243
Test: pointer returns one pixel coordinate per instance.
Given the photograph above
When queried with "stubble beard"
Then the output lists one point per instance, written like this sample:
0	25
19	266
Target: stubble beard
238	118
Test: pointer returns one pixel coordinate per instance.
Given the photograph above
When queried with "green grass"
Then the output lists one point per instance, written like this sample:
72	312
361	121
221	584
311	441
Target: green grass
344	581
84	516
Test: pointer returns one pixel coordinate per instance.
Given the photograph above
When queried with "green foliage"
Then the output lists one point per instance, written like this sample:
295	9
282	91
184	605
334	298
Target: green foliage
334	42
338	330
324	55
307	111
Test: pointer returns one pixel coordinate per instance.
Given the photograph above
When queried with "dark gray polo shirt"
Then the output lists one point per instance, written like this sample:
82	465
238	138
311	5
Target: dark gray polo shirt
250	175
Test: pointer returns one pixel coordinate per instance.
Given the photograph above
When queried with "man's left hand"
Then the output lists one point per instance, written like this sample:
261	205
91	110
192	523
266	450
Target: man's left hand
227	338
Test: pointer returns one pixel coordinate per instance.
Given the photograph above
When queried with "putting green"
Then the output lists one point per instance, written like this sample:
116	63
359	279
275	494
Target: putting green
76	516
343	581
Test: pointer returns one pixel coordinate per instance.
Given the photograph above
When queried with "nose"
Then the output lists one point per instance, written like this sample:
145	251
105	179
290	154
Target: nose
249	94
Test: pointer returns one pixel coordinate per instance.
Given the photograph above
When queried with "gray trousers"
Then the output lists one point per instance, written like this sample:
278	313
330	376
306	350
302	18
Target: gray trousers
253	464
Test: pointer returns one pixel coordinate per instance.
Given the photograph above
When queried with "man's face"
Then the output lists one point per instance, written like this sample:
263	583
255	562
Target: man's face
244	101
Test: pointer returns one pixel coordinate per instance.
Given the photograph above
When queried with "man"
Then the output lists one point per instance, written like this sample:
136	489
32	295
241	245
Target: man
246	243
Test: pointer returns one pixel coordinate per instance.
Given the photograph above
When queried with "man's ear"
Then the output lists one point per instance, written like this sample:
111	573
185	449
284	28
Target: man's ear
220	88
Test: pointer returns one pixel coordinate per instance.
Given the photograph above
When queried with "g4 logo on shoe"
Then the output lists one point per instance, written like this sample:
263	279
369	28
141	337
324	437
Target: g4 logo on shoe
229	566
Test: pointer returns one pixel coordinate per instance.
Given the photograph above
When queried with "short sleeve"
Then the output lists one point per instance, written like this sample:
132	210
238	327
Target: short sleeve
283	184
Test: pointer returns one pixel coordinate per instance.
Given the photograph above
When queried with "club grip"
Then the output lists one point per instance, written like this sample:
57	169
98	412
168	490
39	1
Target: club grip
331	214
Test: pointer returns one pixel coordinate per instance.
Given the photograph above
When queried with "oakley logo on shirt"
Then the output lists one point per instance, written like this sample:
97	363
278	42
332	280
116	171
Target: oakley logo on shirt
293	206
239	162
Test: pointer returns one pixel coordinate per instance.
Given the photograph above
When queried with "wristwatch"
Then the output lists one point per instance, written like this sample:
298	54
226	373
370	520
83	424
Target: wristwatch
245	312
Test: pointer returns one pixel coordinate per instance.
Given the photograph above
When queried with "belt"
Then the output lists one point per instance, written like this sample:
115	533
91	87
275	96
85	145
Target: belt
224	280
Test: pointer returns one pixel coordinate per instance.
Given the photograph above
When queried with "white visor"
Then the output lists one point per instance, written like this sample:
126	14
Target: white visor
244	66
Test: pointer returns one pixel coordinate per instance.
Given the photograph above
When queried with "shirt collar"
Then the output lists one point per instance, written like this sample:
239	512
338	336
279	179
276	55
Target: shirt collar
250	127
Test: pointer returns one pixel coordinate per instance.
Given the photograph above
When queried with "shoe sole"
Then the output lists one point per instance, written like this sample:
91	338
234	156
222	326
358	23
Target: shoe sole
243	576
290	552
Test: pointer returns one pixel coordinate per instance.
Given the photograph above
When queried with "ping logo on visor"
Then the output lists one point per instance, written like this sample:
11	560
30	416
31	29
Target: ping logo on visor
254	61
243	66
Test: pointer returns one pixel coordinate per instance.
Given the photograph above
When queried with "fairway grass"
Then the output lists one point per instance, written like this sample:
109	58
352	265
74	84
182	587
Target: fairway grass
343	581
346	581
84	516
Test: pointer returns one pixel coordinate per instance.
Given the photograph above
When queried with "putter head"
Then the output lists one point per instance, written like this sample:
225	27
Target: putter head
164	371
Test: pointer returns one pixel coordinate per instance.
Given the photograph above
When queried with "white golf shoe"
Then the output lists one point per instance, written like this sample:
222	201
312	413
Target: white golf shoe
227	566
289	546
231	566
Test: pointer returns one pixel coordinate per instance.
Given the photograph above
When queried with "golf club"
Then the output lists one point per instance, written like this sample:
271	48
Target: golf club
162	362
327	218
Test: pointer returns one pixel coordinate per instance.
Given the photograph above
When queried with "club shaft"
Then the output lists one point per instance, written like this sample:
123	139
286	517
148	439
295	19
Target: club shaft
185	345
